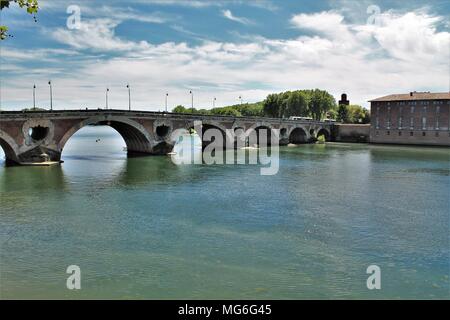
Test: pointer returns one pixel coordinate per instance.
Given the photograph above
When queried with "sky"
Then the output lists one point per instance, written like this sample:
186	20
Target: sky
220	49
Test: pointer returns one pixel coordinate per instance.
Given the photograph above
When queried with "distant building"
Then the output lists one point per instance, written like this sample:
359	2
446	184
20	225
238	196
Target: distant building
344	100
414	118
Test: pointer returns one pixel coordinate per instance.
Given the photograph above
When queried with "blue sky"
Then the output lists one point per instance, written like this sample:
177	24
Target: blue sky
223	49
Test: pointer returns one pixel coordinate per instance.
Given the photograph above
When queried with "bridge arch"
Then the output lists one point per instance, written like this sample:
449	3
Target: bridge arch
10	147
324	132
211	124
254	133
136	137
298	135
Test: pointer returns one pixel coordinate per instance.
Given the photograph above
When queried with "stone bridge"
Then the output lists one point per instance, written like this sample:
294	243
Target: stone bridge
34	137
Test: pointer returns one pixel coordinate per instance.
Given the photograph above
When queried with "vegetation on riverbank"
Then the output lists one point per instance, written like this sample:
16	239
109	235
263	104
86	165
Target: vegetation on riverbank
353	114
317	104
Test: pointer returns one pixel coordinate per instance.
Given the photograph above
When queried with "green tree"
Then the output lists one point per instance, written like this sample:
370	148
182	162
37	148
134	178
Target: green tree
203	111
320	102
30	5
226	111
332	114
283	104
271	106
180	109
33	109
251	109
353	114
366	118
358	114
343	114
297	104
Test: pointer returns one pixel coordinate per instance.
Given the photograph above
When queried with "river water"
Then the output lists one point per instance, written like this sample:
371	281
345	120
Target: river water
147	228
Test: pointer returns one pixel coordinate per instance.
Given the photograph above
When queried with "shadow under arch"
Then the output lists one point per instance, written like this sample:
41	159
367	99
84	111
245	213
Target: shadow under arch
136	137
324	132
298	136
263	130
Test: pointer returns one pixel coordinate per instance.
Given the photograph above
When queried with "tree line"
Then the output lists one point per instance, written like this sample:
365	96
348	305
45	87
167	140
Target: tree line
238	110
316	104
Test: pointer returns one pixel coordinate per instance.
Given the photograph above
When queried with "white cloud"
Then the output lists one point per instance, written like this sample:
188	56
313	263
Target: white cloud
328	22
411	37
229	15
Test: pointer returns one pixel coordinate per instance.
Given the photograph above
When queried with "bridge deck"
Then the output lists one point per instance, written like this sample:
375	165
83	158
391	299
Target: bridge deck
10	115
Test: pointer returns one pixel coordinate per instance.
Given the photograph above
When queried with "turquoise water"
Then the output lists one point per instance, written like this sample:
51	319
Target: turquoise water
147	228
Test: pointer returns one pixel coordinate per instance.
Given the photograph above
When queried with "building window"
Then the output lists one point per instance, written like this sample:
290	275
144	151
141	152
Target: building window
400	122
377	133
412	109
411	133
399	133
424	118
388	123
411	123
388	133
424	134
377	123
437	134
438	110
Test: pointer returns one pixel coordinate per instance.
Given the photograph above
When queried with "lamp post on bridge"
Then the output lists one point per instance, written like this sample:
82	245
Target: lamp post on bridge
214	102
129	97
167	95
240	99
34	96
51	95
192	101
107	91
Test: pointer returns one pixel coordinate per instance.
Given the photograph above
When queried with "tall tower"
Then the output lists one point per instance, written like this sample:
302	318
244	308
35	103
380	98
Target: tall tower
344	100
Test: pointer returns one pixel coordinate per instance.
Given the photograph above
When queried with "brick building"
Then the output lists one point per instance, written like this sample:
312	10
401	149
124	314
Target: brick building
414	118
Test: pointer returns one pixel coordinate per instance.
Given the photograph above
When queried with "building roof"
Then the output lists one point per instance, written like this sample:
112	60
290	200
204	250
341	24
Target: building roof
415	96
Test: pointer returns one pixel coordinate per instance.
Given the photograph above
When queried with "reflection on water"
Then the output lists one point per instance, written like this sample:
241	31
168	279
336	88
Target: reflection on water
148	228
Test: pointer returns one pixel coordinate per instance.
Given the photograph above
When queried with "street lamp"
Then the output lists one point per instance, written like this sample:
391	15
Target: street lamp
107	90
192	100
167	95
51	95
129	97
34	96
240	98
214	102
